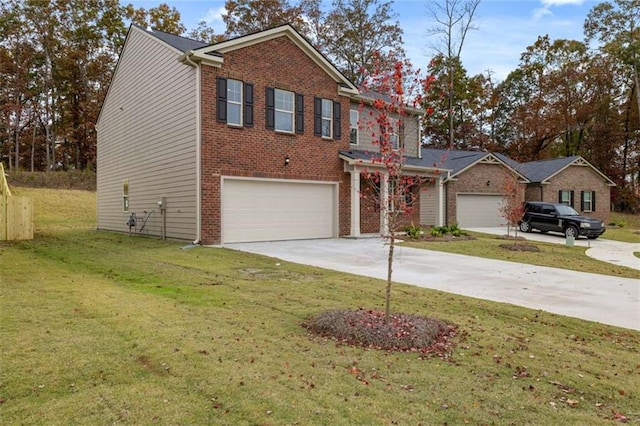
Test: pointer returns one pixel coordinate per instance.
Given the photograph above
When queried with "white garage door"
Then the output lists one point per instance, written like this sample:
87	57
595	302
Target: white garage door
476	210
264	210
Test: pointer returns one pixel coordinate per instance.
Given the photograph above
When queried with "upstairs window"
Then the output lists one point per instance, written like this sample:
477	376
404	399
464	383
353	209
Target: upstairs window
326	118
565	197
587	201
394	133
234	104
284	110
354	117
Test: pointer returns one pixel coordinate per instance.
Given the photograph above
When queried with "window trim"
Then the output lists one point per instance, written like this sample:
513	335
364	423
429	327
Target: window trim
336	127
277	111
239	103
125	195
246	102
324	118
354	128
591	202
569	197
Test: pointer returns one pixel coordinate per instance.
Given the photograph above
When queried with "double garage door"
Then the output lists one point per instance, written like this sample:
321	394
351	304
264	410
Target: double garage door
270	210
479	210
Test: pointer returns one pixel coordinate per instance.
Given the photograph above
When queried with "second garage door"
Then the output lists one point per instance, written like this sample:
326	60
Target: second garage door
267	210
479	210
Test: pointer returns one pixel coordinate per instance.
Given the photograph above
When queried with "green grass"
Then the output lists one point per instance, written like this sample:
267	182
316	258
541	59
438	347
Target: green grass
101	328
552	255
629	233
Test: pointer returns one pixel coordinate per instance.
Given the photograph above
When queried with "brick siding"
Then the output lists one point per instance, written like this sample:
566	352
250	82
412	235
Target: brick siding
579	178
474	181
260	153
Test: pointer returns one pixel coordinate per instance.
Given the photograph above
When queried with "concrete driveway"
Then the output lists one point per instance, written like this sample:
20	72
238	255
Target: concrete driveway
601	298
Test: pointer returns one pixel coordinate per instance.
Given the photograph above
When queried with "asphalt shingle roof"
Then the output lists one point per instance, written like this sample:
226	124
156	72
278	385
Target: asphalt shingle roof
456	161
183	44
539	171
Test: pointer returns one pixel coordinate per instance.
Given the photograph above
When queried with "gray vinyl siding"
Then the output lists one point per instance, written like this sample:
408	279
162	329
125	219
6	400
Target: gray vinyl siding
147	134
429	205
367	124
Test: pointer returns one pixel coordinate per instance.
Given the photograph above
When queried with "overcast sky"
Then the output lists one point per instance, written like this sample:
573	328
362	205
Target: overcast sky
505	27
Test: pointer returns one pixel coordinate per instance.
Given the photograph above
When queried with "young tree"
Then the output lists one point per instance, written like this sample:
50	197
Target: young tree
391	109
512	208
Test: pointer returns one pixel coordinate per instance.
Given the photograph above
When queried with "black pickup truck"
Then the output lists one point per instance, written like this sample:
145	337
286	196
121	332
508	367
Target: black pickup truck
562	218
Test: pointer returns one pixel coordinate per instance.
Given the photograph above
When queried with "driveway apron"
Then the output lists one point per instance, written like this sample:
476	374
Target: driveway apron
602	298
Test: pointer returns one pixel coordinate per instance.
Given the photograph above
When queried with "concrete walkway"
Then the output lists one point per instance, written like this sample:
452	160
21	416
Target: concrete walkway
611	251
606	299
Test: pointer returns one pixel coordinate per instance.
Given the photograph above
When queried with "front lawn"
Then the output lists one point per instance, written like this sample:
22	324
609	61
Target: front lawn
103	328
623	227
552	255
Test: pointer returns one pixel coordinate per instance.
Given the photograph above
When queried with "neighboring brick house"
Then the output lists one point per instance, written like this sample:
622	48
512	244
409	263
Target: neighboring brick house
261	138
472	193
569	180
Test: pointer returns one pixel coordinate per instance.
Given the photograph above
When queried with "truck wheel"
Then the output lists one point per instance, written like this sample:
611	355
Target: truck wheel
525	226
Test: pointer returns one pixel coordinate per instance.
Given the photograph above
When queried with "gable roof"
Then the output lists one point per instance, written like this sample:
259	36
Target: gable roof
543	170
459	161
180	43
214	53
410	163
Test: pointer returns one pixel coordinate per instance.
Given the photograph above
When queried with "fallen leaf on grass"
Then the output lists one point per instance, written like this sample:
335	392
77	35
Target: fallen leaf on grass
619	417
564	388
572	403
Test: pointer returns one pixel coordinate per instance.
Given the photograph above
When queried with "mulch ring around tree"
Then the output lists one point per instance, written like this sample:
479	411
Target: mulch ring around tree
517	244
444	238
520	247
401	333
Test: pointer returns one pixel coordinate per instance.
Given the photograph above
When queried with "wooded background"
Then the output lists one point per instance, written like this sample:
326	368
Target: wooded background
567	97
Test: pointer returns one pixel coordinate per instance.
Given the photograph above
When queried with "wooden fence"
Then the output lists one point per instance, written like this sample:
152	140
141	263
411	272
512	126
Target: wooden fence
16	213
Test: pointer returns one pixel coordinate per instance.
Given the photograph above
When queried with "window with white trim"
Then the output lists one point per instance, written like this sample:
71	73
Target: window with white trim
234	102
587	201
354	117
565	196
327	118
284	110
394	133
125	195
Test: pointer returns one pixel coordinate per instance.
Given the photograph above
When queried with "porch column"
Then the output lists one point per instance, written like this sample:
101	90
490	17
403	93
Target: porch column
355	202
441	203
384	204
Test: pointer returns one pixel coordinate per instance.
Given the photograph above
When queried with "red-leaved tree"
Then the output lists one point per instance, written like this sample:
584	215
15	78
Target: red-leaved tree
512	208
388	112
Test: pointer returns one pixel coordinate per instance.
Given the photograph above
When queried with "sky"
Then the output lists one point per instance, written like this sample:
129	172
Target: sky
504	28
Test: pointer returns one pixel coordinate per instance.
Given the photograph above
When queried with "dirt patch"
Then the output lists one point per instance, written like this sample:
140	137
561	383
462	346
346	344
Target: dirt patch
520	247
146	362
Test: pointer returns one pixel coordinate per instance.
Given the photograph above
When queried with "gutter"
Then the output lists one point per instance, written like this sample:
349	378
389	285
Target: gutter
186	59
